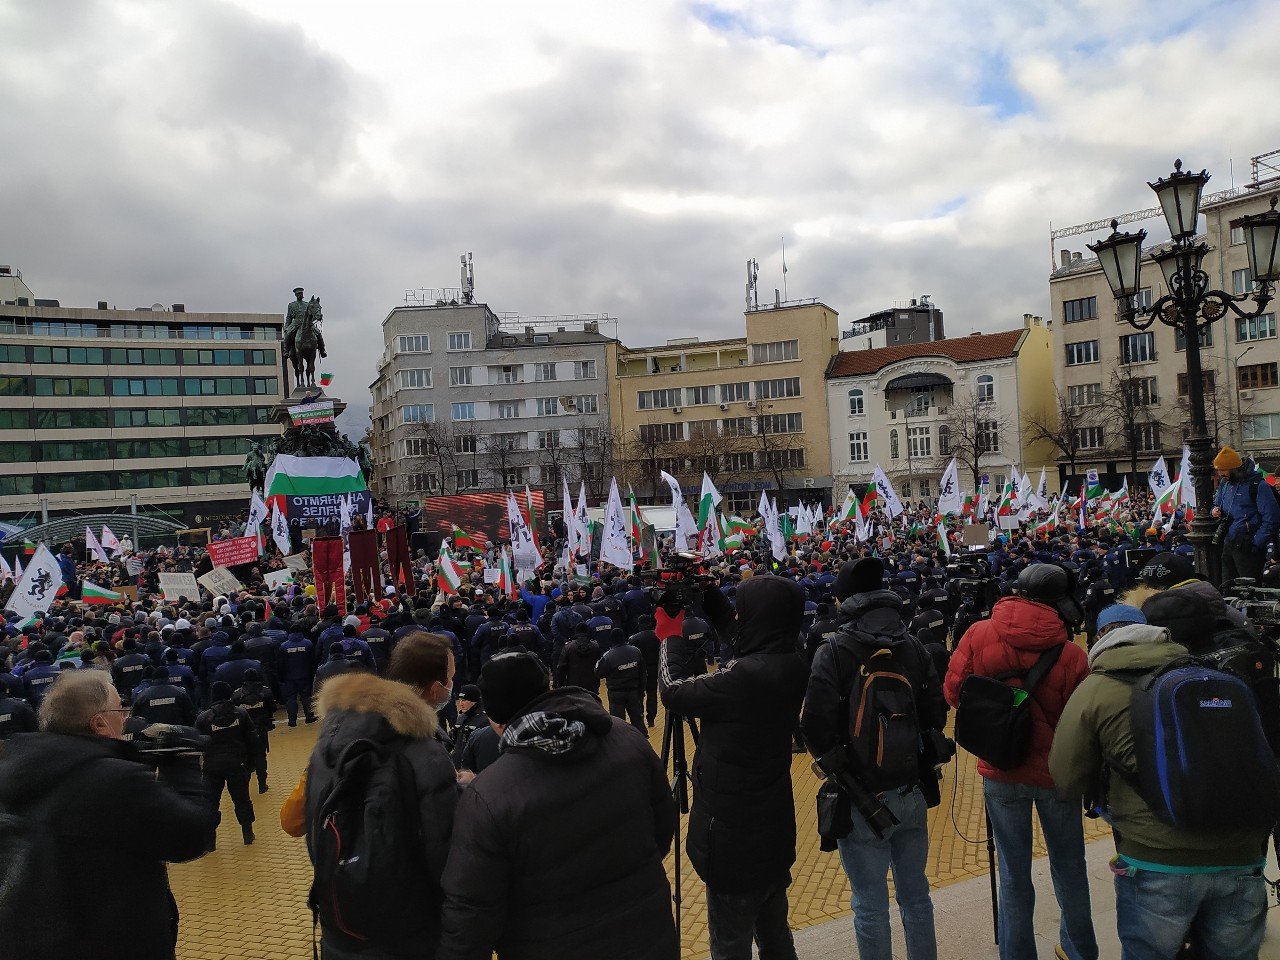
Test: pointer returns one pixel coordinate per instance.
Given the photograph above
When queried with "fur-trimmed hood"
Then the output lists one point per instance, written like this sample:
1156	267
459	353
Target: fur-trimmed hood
363	693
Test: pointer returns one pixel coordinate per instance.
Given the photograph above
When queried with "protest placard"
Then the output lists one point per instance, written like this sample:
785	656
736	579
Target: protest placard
175	586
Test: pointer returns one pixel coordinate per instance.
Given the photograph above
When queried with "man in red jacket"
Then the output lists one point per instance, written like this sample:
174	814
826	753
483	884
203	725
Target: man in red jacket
1043	614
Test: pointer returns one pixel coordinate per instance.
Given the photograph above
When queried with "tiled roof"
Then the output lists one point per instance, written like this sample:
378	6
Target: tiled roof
970	349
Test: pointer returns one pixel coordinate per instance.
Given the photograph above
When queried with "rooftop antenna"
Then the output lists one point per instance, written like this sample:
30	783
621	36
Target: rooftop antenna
784	268
753	289
468	278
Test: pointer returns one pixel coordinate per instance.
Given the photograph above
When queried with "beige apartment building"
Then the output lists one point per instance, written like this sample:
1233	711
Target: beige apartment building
750	411
1124	391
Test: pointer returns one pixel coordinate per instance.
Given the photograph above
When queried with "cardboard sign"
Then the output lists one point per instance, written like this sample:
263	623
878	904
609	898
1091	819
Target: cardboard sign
1009	522
221	582
492	574
129	593
297	562
277	577
309	414
581	571
133	566
232	553
175	586
975	535
309	533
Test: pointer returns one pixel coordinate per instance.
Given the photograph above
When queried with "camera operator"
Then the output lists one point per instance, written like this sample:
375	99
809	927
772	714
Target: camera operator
874	641
1249	516
86	890
742	767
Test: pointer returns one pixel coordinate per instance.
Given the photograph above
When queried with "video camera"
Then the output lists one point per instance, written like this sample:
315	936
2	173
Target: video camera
677	585
969	578
1259	604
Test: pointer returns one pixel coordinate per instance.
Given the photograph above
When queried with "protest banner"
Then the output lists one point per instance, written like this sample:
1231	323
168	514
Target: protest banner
175	586
232	553
221	582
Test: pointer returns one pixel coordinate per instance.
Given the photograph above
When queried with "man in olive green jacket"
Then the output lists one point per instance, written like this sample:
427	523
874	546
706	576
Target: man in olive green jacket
1166	879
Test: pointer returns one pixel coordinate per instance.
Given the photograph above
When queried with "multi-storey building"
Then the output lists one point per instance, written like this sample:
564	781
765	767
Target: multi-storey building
749	411
918	321
911	408
1123	392
106	408
465	401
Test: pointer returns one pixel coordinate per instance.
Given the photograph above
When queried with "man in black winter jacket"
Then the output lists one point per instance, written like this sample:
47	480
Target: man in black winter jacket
558	845
128	911
647	642
742	767
233	749
622	669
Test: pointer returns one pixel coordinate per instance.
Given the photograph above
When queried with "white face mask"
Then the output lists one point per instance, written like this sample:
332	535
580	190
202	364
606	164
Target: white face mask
446	696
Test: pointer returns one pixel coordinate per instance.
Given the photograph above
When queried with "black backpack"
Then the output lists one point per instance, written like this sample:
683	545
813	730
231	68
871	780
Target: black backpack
880	701
994	720
365	839
1202	755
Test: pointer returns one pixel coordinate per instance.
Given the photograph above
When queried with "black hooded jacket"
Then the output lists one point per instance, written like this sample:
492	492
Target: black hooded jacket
106	891
742	828
558	844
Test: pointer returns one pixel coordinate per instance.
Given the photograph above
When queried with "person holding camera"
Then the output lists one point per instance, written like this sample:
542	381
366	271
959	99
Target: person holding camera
742	825
873	699
1030	633
1245	506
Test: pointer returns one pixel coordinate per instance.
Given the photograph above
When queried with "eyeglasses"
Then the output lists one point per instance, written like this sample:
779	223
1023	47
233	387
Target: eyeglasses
117	710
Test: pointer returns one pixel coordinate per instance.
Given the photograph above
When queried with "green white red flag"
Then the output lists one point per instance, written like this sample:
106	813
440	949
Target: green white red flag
449	575
92	593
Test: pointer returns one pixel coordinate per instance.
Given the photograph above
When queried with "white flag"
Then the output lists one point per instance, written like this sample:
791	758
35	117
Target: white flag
892	505
615	546
1158	478
344	515
92	546
6	571
1042	492
257	512
368	514
1188	489
711	535
570	519
686	526
804	521
950	500
17	567
777	542
523	552
109	541
36	589
280	530
582	522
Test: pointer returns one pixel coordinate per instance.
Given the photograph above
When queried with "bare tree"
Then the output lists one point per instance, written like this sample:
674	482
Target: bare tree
437	457
498	455
974	431
1062	428
1129	405
773	449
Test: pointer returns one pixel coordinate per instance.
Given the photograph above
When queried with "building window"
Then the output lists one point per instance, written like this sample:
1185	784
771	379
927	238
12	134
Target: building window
737	427
415	379
513	476
1138	348
734	392
546	406
1085	308
1180	342
511	374
1257	375
658	399
919	443
857	407
925	488
507	409
1208	382
1143	300
418	413
778	389
468	479
465	443
584	369
1084	394
742	462
661	432
1148	437
697	396
893	444
459	376
544	371
415	343
859	448
548	439
1256	328
588	403
906	489
1082	351
944	439
988	435
1237	235
782	459
1262	426
462	411
986	389
1143	391
773	352
1241	282
1089	438
782	423
460	340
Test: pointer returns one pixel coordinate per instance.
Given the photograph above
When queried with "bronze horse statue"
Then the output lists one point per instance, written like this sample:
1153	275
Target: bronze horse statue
302	344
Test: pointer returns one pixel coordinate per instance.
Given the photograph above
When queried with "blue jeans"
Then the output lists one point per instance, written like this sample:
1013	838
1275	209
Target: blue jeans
1154	912
1009	806
868	859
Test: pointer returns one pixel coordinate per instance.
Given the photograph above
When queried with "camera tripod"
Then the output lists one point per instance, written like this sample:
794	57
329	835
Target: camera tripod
673	751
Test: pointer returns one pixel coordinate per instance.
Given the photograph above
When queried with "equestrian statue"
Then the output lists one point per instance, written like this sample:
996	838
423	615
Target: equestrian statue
303	338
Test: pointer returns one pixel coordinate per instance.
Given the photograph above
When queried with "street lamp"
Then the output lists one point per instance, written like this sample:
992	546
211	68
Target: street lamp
1190	307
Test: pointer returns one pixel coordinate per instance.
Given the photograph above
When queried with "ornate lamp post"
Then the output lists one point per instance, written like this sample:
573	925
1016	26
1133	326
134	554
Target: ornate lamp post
1191	306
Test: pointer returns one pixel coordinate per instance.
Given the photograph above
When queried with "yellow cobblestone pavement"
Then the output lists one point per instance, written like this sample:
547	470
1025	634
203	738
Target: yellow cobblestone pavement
250	902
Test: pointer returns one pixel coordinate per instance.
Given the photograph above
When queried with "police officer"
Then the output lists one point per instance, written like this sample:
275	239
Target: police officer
471	717
622	668
15	715
233	747
255	697
164	701
647	642
294	665
601	627
1098	594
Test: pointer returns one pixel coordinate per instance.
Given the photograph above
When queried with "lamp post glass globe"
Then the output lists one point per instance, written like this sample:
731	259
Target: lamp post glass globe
1262	243
1179	195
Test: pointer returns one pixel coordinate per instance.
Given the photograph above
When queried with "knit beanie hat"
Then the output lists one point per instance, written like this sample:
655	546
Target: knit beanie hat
509	681
1119	613
1227	459
1166	569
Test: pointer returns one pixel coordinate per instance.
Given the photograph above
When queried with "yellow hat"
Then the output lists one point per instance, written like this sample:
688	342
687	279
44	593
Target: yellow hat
1227	459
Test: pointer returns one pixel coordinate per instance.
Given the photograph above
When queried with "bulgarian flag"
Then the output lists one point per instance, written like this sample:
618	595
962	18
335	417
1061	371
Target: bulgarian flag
869	499
532	518
28	548
326	379
970	507
943	543
1165	503
506	577
1271	478
292	476
92	593
1049	525
449	576
848	510
1006	501
636	524
463	539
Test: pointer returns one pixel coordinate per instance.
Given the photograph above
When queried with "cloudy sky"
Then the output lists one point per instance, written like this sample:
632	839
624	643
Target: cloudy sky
602	157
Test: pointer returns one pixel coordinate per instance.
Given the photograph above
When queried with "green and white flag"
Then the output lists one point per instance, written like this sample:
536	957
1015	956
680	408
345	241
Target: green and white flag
708	500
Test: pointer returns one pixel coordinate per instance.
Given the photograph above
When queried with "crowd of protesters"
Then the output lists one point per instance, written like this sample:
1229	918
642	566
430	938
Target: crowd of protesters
535	813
